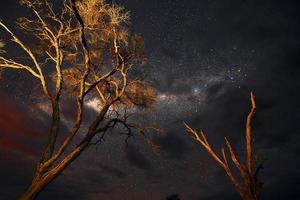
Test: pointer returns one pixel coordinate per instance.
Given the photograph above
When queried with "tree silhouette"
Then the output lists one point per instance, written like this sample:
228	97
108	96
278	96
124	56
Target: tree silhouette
82	49
249	187
173	197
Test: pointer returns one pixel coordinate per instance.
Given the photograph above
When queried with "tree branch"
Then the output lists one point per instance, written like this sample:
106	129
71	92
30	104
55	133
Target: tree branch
33	58
248	134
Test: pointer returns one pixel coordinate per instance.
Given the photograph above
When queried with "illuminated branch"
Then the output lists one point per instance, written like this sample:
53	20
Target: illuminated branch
99	80
87	52
248	134
84	92
4	63
250	187
31	55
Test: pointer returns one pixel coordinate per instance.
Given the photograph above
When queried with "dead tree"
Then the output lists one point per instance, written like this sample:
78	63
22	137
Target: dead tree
247	185
83	49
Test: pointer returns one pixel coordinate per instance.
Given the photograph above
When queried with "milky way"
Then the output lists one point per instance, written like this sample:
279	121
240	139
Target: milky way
205	57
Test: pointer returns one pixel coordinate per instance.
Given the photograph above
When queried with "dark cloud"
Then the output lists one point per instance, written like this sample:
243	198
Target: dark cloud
174	145
193	44
68	110
137	159
112	170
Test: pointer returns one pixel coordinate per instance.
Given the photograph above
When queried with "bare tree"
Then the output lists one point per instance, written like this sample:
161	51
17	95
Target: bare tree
82	49
248	186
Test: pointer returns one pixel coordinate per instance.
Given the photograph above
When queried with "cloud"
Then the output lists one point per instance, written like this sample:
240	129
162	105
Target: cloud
174	145
137	159
15	132
112	170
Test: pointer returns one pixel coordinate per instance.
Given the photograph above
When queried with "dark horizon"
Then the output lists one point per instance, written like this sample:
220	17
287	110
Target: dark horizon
205	57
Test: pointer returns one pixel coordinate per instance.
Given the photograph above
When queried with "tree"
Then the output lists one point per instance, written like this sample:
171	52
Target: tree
173	197
82	49
249	187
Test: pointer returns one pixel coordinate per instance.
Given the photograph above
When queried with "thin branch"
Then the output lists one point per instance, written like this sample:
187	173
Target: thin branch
248	134
31	55
249	189
15	65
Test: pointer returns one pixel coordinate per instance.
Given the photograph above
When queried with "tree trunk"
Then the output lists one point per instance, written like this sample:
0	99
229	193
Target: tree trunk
41	179
33	190
39	183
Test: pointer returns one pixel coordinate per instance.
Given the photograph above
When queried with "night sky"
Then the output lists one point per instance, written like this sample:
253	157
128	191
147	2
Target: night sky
205	57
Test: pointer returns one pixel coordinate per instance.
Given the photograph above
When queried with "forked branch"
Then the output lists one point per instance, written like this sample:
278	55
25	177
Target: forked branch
249	187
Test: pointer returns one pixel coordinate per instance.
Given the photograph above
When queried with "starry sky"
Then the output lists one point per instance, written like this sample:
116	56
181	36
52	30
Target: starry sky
205	57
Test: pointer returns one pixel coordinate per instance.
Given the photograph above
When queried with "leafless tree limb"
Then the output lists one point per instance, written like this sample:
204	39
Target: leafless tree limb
73	41
250	187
